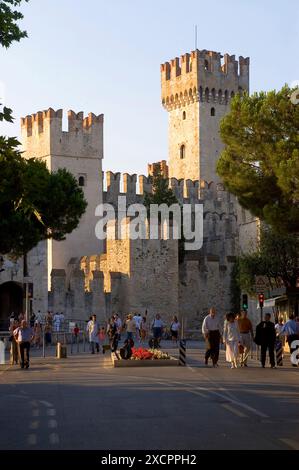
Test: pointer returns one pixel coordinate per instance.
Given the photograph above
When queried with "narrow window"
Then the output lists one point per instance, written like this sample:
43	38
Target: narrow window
182	151
206	65
212	111
81	181
184	115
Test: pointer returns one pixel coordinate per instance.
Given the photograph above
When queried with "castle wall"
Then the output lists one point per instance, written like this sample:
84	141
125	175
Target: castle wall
196	91
80	151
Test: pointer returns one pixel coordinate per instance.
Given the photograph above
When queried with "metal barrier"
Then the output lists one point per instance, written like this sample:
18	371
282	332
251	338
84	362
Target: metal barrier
76	343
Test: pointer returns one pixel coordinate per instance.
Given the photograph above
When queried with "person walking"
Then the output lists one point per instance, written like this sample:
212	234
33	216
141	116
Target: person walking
37	335
265	338
174	329
246	336
143	329
231	339
130	326
93	330
48	334
211	330
137	319
14	351
24	336
157	327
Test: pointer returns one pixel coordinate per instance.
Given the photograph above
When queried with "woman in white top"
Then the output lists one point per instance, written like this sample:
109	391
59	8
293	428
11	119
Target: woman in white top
174	329
231	339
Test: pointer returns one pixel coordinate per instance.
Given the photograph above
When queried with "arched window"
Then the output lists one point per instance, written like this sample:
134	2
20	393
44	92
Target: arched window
200	93
219	96
184	115
232	94
206	65
212	111
207	94
81	181
182	151
225	96
213	92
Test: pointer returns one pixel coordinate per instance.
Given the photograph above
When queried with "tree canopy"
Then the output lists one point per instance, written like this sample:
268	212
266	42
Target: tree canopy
260	161
276	258
35	204
9	16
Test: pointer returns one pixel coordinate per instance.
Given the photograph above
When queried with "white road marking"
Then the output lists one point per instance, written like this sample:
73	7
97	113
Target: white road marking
291	443
195	392
35	412
34	425
233	410
52	423
54	438
31	439
51	412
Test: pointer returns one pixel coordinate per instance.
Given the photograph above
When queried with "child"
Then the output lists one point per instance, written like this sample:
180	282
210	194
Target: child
102	334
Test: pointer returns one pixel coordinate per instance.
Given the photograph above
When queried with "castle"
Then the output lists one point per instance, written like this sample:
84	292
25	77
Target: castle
83	275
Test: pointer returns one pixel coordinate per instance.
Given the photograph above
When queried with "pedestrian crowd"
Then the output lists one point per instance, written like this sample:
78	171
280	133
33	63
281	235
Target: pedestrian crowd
237	335
235	332
135	328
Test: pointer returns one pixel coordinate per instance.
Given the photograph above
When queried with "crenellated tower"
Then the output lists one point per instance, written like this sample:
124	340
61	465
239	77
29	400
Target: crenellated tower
196	92
80	151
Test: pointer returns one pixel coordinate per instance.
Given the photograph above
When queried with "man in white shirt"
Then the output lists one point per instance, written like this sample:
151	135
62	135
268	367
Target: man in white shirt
92	329
211	330
137	319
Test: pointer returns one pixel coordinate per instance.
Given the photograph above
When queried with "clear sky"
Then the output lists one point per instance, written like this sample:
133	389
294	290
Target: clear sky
104	56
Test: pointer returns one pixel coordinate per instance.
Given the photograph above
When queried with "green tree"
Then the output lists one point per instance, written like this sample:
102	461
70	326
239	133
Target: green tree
276	258
260	161
35	204
9	16
162	194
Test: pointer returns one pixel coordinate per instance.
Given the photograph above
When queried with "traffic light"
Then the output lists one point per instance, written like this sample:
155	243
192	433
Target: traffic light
245	302
261	300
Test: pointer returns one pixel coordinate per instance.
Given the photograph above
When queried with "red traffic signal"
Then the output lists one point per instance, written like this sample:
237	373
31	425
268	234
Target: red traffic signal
261	300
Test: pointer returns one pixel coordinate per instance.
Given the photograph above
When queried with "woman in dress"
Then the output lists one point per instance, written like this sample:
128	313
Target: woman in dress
231	339
174	329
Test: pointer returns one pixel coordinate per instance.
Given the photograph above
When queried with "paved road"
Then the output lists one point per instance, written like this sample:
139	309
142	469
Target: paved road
83	403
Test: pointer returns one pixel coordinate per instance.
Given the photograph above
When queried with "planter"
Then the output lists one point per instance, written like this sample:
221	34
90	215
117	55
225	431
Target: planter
118	362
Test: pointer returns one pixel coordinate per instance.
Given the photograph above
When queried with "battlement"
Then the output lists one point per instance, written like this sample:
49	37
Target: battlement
203	76
38	122
44	129
212	195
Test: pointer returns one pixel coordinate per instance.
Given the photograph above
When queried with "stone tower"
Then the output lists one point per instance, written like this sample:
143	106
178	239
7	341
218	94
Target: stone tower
79	150
196	92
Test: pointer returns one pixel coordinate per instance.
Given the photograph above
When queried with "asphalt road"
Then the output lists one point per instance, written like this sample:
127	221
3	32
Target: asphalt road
83	403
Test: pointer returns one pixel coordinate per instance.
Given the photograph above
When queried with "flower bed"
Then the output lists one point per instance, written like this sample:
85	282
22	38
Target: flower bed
141	354
144	357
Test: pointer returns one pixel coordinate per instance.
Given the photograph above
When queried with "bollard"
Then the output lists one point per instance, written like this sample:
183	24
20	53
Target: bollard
44	349
2	351
72	339
182	356
61	351
278	349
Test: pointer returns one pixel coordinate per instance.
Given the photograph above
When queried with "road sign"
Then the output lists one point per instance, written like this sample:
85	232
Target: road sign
261	284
